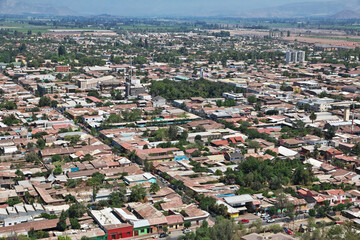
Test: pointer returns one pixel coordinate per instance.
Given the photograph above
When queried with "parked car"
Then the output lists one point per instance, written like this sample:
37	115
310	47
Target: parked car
275	216
288	231
163	235
270	220
186	231
339	222
264	215
244	221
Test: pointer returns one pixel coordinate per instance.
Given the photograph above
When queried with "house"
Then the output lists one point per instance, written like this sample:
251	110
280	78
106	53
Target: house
113	226
175	221
291	143
141	227
232	212
93	118
194	215
286	152
235	156
241	203
158	101
140	178
337	196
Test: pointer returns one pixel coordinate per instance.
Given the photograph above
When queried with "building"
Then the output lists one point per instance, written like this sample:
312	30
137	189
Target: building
295	57
47	88
61	69
94	82
112	225
141	178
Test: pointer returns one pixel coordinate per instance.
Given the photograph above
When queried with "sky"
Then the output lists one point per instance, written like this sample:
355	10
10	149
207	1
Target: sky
165	7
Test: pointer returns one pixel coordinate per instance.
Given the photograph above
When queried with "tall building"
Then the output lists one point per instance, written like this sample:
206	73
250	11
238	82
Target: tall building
295	57
47	88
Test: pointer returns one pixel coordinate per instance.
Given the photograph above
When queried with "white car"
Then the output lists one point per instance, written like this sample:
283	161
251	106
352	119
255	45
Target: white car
270	220
186	231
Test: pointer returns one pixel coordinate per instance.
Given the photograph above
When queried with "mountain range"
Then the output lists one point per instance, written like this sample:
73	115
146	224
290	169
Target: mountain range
336	9
29	7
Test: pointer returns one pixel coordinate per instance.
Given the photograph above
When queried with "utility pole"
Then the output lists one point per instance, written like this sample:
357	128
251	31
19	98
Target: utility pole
353	116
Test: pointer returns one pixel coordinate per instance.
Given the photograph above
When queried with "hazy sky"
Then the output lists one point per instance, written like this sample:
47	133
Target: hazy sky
165	7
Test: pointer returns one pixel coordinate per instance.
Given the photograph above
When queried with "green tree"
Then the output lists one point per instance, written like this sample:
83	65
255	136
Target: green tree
187	224
32	158
76	210
61	50
58	170
118	198
61	226
40	143
138	193
44	101
154	188
252	99
312	117
75	223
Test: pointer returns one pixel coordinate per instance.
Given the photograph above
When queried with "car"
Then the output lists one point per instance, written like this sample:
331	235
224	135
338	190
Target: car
318	223
270	220
244	221
187	231
275	216
264	215
163	235
339	222
288	231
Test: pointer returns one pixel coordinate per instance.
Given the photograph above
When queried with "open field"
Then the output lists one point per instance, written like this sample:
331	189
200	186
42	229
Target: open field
337	41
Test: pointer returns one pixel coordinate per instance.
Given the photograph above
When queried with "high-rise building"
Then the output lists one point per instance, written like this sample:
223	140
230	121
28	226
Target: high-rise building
295	57
47	88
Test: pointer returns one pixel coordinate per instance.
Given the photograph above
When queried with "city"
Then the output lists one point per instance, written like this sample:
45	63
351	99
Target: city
168	128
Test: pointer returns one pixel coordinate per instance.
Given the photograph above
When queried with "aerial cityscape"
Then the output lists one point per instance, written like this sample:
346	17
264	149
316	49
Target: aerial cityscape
179	120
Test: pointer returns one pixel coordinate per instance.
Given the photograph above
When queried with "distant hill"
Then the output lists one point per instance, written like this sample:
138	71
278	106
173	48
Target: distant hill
337	8
346	14
24	6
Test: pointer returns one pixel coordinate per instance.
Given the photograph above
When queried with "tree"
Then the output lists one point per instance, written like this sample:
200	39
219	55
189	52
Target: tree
61	50
32	157
58	170
71	183
40	143
118	198
138	193
172	132
154	188
252	99
76	210
275	183
44	101
61	226
313	117
10	120
74	223
198	138
187	224
53	103
64	238
148	166
56	158
96	179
